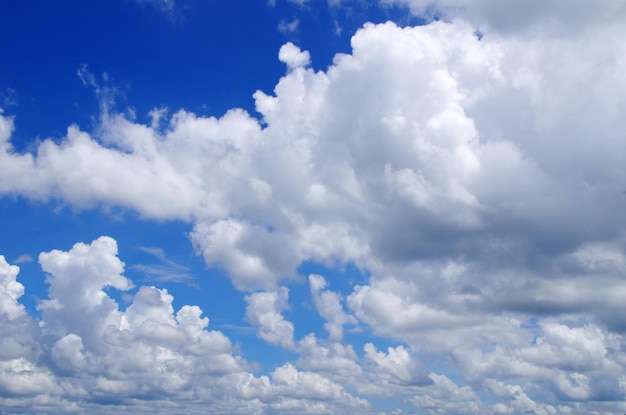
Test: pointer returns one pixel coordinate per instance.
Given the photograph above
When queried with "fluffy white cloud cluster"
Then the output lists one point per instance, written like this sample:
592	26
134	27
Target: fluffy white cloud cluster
477	176
85	351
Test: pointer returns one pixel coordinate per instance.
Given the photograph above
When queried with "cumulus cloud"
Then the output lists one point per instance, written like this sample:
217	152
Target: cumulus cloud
19	341
478	180
88	351
334	359
329	306
264	310
293	56
396	366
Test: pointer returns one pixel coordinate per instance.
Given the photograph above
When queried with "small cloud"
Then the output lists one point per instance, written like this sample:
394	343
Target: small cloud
105	91
287	27
23	259
166	271
338	28
293	56
167	7
8	98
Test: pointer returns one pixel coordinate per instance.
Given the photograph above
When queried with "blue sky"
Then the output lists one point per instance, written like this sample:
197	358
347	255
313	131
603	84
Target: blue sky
301	206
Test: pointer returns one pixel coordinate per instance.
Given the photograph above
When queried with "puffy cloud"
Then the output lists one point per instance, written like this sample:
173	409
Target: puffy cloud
396	366
148	357
77	301
20	377
334	359
145	350
254	257
516	400
83	171
19	330
11	290
445	396
293	56
478	180
264	310
329	306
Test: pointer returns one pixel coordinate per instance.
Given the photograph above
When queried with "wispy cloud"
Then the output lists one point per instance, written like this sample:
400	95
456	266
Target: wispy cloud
8	98
172	9
166	270
288	27
23	259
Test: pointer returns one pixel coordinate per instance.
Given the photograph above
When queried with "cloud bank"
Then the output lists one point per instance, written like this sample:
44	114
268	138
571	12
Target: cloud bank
477	177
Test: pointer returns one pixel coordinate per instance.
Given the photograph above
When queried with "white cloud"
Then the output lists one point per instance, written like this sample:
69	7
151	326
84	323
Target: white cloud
18	342
334	359
254	257
11	290
288	27
264	310
479	182
293	56
516	400
445	396
148	357
396	366
329	306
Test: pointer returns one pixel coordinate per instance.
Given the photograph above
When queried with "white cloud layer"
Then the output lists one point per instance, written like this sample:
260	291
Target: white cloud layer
478	179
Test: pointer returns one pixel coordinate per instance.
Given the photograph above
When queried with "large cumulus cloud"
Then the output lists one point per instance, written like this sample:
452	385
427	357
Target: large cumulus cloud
477	176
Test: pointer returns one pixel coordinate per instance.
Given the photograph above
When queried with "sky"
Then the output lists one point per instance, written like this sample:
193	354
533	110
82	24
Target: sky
313	207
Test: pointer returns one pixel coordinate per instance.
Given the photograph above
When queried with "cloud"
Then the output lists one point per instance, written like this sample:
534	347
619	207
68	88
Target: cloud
446	396
329	306
22	259
264	311
18	343
334	359
11	289
293	56
288	27
511	17
396	366
478	182
88	351
9	98
169	8
166	271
